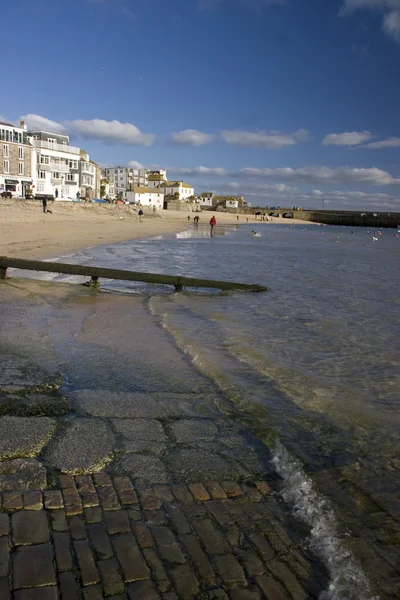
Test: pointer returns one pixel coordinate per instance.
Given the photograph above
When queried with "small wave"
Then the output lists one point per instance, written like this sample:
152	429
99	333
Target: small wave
348	581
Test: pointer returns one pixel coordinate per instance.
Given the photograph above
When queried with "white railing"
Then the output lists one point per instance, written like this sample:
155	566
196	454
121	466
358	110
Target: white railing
58	168
58	147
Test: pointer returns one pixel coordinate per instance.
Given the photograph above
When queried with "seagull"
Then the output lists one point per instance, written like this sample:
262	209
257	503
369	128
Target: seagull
374	239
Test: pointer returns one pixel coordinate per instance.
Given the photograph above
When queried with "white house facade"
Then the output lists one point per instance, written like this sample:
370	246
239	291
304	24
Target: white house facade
232	204
57	165
206	199
146	197
184	190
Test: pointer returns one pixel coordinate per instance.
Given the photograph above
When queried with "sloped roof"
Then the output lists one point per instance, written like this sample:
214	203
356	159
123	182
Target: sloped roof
144	190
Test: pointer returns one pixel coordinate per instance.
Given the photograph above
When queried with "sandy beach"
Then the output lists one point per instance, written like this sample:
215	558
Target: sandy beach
26	232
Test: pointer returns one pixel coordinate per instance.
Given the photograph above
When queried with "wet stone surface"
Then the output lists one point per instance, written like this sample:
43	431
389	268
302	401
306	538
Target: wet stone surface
24	436
85	446
34	405
136	435
160	542
22	474
19	374
157	405
147	469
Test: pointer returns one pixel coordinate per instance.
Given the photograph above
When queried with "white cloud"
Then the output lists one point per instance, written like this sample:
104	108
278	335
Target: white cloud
196	171
391	24
390	9
191	137
393	142
111	132
324	175
348	138
38	122
133	164
311	175
273	140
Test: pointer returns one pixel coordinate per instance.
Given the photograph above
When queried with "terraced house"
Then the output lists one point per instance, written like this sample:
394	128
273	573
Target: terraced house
17	160
89	177
57	165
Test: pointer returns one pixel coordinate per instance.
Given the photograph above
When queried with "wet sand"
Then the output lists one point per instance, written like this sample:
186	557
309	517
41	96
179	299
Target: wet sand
26	232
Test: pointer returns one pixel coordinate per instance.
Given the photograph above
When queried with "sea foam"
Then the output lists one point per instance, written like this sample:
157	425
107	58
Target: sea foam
348	581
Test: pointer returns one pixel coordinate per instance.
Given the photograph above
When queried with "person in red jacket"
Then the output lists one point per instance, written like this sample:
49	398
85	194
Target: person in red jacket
213	222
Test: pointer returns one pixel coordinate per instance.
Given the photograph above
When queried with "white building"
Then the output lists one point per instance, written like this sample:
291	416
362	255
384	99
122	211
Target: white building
146	197
17	161
184	190
232	203
57	165
205	199
125	179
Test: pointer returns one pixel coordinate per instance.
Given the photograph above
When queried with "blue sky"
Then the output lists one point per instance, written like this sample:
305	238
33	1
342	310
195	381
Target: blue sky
286	102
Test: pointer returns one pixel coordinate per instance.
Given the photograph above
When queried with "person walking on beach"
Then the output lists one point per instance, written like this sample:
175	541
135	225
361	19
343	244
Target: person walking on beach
44	204
140	213
213	222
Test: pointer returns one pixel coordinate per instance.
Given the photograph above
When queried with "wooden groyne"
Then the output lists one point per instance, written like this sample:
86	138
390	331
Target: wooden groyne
179	283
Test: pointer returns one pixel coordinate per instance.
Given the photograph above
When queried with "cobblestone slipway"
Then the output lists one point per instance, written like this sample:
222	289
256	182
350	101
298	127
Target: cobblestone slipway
92	537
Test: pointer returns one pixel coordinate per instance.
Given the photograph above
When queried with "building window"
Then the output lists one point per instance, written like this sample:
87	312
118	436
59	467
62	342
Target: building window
69	177
35	137
55	175
52	141
44	159
73	164
20	153
41	174
6	166
40	187
6	151
20	168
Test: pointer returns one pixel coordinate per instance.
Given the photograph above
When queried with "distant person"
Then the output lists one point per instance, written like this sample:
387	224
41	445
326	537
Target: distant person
140	213
213	222
237	217
188	218
44	204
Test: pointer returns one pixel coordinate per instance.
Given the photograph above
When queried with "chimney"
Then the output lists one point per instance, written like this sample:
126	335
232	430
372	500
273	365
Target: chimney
22	125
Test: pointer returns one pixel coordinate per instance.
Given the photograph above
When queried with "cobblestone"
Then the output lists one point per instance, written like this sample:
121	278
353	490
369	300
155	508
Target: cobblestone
185	582
110	576
63	551
69	586
230	570
89	573
130	559
32	500
100	541
143	535
196	541
30	527
33	566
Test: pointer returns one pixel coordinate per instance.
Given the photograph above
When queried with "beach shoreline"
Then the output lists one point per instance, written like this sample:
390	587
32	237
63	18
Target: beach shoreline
26	232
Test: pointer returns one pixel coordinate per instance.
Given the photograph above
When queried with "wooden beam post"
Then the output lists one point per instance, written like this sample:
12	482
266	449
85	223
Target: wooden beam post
3	272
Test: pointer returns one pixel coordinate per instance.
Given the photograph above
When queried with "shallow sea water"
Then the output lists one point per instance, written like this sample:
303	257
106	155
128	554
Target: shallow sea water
313	364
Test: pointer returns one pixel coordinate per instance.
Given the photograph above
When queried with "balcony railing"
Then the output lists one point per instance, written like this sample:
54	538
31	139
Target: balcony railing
58	147
59	168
